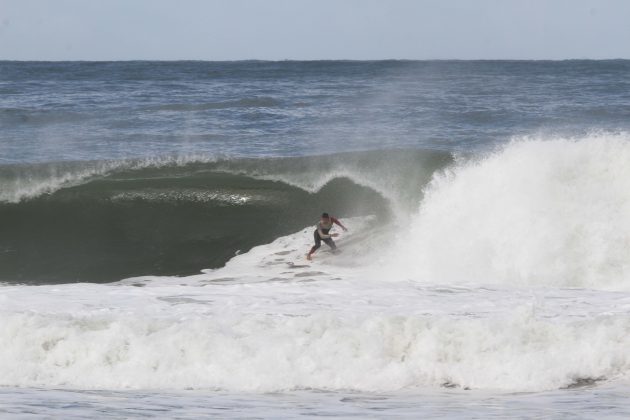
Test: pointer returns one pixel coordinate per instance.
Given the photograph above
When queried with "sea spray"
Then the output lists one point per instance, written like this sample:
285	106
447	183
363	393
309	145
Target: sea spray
545	211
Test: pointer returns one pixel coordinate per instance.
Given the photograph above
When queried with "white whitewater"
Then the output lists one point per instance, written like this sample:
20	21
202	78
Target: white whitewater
536	212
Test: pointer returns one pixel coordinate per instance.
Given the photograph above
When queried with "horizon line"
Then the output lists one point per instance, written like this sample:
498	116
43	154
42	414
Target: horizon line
256	60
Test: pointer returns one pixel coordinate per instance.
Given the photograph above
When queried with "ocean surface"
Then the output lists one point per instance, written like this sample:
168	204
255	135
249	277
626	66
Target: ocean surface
154	218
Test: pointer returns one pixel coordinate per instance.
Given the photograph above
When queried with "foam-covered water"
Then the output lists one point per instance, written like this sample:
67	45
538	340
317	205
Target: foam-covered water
484	279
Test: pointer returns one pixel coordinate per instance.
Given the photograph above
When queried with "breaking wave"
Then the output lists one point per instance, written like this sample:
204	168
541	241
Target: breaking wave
177	215
537	211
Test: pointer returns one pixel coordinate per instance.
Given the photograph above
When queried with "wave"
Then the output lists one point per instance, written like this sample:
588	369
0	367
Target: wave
545	211
177	215
537	211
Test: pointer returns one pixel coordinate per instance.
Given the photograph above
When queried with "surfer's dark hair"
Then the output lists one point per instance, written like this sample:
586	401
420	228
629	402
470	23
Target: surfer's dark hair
325	215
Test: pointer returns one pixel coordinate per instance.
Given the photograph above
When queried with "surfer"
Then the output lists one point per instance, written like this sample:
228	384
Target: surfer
322	233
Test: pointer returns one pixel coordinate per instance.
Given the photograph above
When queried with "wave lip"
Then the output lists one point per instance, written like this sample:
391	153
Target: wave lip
20	182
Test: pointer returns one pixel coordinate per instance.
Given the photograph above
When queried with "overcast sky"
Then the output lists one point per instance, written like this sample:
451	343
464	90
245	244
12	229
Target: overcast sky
313	29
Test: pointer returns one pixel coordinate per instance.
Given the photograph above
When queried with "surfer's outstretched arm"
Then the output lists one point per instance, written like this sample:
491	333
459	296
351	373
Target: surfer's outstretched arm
337	222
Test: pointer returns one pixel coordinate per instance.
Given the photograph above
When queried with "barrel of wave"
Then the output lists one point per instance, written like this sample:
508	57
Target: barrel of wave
538	211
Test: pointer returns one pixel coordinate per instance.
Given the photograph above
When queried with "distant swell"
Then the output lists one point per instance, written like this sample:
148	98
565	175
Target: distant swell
36	116
256	102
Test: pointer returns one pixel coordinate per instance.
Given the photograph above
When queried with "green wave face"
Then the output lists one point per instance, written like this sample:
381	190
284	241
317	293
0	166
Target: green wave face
176	219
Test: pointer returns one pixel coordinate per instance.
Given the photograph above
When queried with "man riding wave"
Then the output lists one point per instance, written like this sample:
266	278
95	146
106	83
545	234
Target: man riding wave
322	234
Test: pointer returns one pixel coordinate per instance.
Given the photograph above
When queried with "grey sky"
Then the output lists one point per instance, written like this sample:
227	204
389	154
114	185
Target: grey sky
313	29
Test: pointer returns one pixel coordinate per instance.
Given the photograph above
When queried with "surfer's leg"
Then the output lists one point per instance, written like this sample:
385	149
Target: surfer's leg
318	243
330	243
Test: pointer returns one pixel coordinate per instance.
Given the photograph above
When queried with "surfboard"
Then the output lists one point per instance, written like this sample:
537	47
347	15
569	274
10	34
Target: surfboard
291	264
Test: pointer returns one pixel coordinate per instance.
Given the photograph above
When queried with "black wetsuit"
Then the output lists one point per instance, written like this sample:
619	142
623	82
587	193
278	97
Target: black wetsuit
323	229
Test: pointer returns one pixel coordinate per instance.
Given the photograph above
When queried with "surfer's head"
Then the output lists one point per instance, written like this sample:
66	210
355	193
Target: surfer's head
325	216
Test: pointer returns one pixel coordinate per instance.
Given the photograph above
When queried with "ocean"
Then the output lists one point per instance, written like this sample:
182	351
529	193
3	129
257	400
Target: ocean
155	216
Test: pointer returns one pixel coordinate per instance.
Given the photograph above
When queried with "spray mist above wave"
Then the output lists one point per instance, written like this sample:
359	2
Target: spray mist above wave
537	211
